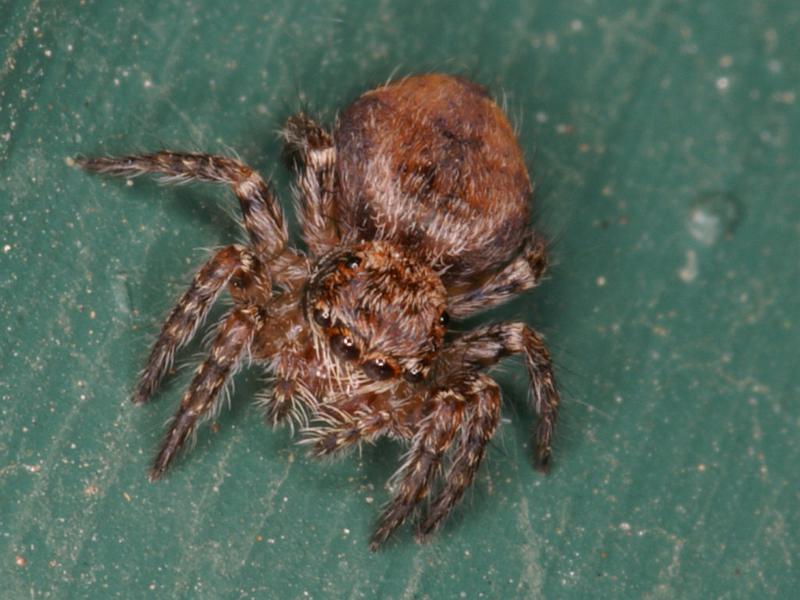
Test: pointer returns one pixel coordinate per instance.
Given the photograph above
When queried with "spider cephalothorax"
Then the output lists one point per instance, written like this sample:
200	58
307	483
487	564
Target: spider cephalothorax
414	210
379	307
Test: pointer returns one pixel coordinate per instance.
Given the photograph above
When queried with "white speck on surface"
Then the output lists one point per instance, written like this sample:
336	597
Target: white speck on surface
6	248
688	272
625	526
601	281
723	83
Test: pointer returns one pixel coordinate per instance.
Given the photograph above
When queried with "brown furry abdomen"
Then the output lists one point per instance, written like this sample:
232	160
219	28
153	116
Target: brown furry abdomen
431	162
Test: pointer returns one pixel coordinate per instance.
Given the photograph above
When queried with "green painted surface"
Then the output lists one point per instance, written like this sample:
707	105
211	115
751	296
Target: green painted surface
664	139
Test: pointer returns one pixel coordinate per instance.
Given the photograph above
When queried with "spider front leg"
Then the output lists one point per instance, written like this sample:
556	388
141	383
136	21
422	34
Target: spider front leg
521	274
484	398
232	341
337	432
263	218
463	416
313	153
485	346
248	280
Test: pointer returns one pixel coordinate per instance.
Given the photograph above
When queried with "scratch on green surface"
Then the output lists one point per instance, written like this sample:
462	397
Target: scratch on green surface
532	575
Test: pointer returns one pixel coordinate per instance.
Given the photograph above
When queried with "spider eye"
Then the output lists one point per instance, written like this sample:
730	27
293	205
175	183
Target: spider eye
344	347
322	317
444	319
414	374
351	261
378	369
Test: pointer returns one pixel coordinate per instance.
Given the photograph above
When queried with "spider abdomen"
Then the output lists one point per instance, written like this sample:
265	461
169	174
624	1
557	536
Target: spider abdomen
431	163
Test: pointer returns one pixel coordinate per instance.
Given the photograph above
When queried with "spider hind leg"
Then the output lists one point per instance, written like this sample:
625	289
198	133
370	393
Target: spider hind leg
263	218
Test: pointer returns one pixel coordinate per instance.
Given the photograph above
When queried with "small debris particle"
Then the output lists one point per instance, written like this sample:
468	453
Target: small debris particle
688	272
90	490
723	83
565	129
127	496
625	526
701	467
259	538
6	248
21	561
369	499
601	281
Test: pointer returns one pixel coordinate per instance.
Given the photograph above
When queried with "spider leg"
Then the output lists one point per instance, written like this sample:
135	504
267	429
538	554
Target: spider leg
313	153
202	398
340	432
263	218
483	397
235	263
521	274
422	462
485	346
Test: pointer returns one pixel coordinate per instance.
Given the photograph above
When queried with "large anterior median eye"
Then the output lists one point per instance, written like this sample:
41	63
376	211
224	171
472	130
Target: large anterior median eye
344	347
378	369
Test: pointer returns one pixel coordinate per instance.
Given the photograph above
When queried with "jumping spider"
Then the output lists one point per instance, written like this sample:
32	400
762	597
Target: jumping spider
415	210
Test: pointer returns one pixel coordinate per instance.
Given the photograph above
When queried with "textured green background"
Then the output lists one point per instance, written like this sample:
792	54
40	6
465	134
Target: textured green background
664	139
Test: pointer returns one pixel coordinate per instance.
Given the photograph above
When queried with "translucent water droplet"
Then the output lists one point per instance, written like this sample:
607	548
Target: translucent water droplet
712	216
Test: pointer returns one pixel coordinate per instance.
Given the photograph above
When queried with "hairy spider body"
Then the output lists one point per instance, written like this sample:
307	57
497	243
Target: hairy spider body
414	210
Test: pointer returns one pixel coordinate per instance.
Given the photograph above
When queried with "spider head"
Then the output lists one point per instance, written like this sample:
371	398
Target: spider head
378	308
